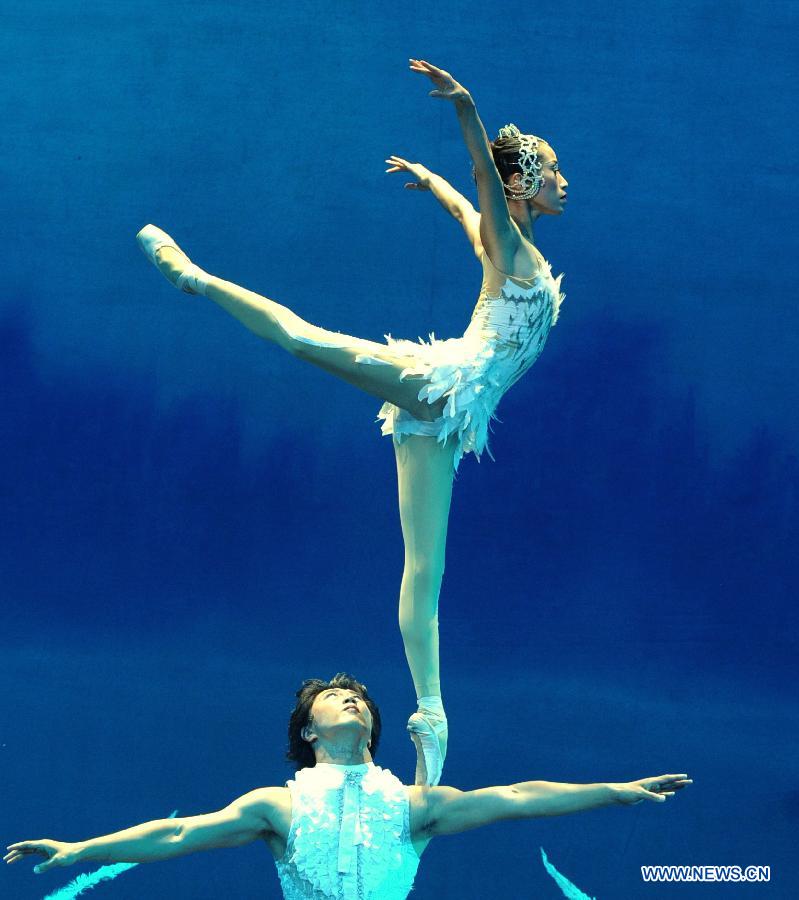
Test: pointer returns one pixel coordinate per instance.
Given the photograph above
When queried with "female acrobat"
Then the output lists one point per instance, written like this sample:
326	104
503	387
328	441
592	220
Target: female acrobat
438	397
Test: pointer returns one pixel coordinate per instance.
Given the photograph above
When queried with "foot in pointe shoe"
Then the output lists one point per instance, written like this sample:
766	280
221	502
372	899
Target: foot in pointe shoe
429	732
168	258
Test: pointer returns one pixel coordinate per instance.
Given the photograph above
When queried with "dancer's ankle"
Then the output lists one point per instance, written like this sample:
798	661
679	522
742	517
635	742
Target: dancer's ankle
431	703
194	279
181	271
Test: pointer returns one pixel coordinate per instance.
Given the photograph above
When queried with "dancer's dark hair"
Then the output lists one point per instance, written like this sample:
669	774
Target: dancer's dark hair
505	151
300	751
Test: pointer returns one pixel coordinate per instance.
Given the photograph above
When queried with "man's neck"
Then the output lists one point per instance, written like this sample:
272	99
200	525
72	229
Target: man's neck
342	754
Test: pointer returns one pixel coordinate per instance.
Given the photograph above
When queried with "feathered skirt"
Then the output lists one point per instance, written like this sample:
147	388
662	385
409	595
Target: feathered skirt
463	371
471	373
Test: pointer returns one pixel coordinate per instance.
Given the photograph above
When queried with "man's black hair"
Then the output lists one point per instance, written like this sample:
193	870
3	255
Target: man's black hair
300	751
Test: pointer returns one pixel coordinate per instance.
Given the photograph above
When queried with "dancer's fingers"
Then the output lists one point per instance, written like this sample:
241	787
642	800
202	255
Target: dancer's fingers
427	69
434	69
24	847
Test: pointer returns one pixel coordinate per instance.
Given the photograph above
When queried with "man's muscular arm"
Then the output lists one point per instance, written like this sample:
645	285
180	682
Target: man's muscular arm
244	820
449	810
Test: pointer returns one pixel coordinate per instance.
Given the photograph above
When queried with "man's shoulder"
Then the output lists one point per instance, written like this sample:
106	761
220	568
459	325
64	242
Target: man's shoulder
264	798
273	795
273	804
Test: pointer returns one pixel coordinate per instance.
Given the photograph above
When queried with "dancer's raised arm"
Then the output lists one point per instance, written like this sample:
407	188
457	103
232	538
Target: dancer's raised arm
458	206
498	232
450	810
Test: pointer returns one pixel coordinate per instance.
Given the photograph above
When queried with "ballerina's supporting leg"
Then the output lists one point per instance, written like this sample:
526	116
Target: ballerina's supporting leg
424	481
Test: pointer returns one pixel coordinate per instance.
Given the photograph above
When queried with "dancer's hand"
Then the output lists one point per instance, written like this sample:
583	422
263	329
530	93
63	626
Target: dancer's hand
655	789
398	164
446	86
57	853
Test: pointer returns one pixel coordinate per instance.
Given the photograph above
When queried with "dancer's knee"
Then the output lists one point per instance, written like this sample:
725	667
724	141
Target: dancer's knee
417	630
296	336
425	573
296	347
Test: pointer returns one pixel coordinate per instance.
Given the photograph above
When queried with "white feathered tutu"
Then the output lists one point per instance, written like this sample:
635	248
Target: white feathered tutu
457	369
506	335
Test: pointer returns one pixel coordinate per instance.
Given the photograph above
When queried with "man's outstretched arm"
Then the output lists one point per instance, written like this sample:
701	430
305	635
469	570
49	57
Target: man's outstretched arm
242	821
450	810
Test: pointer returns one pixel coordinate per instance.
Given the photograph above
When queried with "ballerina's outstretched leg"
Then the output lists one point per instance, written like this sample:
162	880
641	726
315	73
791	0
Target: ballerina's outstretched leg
350	358
424	467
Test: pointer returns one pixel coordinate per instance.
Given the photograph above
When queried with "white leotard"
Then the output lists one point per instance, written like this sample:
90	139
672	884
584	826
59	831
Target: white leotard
505	336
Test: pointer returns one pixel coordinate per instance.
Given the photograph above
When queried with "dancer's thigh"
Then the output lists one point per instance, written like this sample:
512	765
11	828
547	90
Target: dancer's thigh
424	481
381	379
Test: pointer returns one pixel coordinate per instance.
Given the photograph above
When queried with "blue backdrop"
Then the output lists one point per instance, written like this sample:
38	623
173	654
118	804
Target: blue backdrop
193	521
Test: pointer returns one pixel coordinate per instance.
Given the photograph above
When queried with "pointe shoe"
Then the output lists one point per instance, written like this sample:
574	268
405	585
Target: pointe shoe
192	279
429	732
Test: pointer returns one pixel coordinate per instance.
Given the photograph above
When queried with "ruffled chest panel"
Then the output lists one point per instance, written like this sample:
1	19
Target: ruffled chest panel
349	836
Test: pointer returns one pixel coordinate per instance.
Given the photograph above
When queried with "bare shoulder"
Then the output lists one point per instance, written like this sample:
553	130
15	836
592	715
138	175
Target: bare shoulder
275	803
266	795
274	809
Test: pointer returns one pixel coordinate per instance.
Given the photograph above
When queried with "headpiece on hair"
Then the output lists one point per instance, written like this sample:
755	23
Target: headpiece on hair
531	179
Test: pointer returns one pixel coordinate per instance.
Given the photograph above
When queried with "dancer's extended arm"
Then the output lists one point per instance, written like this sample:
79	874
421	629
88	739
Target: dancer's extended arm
458	206
449	810
498	233
244	820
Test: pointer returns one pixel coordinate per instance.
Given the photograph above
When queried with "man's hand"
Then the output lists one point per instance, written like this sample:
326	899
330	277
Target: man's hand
398	164
56	853
655	789
446	86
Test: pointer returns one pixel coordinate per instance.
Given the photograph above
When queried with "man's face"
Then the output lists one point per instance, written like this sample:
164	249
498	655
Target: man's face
340	713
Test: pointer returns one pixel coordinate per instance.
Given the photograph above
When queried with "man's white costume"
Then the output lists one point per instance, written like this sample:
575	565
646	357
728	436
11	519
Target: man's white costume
350	836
